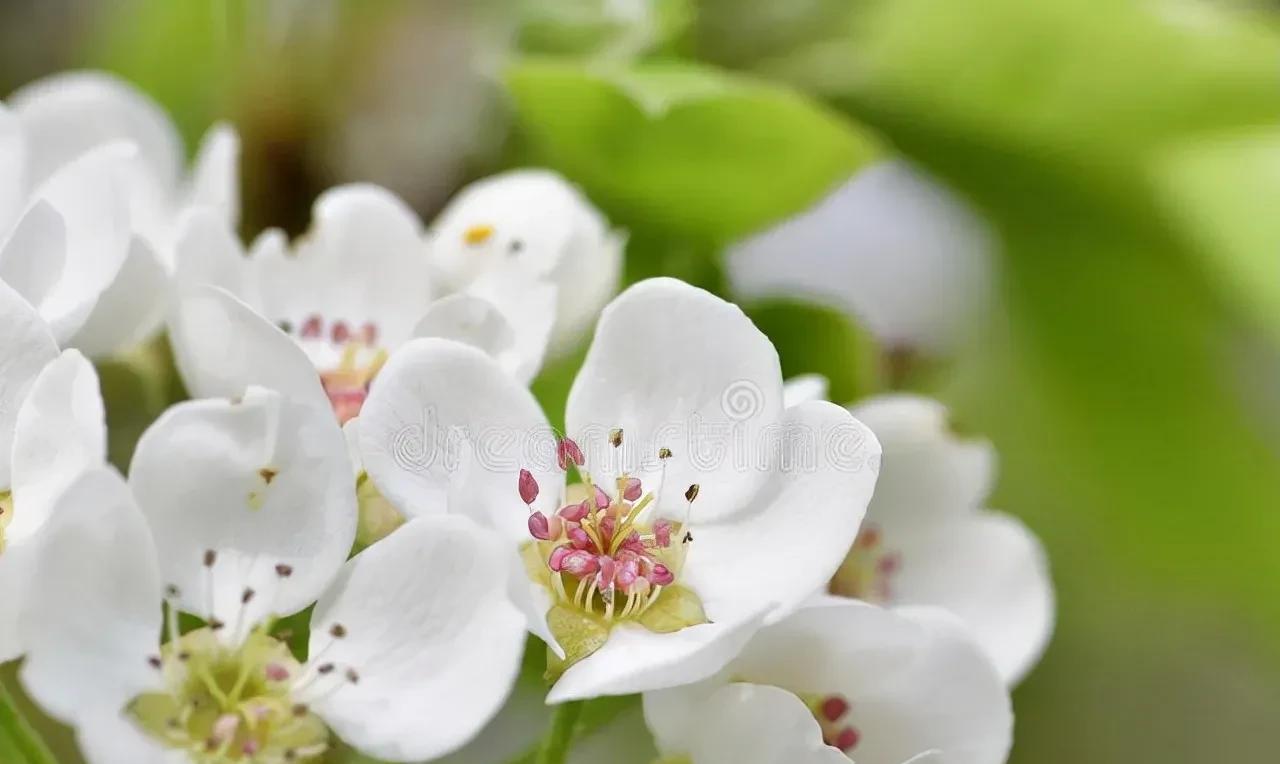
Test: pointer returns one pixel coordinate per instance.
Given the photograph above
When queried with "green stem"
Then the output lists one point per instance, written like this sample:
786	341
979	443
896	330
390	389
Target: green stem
19	742
555	745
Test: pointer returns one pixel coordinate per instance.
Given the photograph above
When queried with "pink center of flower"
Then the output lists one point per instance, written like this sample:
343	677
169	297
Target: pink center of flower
605	553
347	382
868	570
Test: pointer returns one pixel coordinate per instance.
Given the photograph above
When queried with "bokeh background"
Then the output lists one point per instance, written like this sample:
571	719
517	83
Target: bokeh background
1123	155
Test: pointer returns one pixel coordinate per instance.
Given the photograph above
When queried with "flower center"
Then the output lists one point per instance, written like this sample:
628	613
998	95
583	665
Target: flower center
832	713
222	704
348	360
604	558
607	560
868	570
6	514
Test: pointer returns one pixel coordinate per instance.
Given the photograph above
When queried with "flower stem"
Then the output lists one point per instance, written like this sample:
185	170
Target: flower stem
19	743
555	745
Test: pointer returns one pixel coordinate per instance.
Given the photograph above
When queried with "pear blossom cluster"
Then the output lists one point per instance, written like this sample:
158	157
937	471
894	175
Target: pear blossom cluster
362	522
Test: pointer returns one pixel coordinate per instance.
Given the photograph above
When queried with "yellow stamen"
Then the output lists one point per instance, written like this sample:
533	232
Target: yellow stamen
477	234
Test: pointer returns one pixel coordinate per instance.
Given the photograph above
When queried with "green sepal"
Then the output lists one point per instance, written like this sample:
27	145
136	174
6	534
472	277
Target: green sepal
676	608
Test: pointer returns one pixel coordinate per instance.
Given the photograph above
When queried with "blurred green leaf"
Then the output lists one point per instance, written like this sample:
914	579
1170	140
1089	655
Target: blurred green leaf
1225	193
1097	137
1077	83
19	742
683	148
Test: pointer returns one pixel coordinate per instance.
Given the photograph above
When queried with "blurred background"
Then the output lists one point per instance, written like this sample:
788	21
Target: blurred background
1060	217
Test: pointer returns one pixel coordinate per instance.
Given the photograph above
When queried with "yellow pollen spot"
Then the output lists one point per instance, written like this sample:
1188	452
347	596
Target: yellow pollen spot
477	234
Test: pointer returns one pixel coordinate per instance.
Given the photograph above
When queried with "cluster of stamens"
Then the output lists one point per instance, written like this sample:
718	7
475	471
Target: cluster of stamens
346	384
339	332
239	700
832	713
867	571
604	553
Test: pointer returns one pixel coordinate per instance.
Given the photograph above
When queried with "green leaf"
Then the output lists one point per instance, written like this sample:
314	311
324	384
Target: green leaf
1067	81
19	742
1224	193
682	148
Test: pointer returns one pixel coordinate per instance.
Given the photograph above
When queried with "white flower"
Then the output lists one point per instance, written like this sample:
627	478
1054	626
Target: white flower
353	289
92	184
926	539
711	509
51	430
534	220
741	723
883	686
897	252
245	510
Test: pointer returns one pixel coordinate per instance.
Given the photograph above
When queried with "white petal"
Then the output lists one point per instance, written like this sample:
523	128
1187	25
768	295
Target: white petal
444	428
111	737
33	256
929	474
516	729
914	678
791	537
13	153
533	214
898	252
587	277
805	387
206	251
60	433
677	367
990	571
221	346
25	347
529	307
759	724
262	482
470	320
364	260
429	629
68	114
131	309
17	566
93	613
215	178
635	659
89	195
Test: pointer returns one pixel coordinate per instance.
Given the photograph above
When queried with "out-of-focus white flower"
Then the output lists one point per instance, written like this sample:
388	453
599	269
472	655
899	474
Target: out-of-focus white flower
242	511
897	252
350	291
878	686
742	723
706	509
926	539
535	221
51	430
93	184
